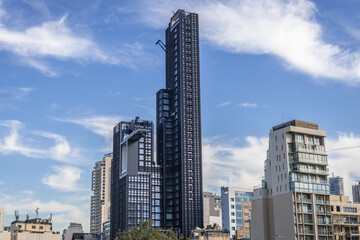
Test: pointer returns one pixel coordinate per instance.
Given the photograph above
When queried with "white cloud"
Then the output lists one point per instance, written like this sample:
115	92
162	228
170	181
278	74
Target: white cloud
57	39
248	105
64	179
101	125
344	161
224	104
63	211
231	165
243	166
286	29
16	142
16	93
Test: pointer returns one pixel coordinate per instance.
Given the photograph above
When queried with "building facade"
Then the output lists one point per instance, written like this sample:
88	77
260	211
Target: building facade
294	198
105	235
179	126
136	193
73	228
356	192
100	200
336	185
33	229
345	218
2	219
236	211
212	209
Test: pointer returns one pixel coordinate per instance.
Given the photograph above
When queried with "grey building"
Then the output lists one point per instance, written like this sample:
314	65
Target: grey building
356	192
179	126
293	201
2	219
212	209
135	177
73	228
336	185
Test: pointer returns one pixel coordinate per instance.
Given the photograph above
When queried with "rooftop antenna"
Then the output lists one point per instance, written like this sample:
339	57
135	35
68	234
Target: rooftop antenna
37	212
50	218
17	215
161	44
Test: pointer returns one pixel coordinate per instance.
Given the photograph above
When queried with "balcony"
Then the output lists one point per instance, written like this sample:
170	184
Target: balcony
299	147
314	171
311	161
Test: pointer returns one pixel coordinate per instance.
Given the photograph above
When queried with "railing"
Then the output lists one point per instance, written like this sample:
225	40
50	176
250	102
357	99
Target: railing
306	160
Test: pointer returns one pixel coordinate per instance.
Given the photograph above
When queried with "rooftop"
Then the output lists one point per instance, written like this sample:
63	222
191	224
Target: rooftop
297	123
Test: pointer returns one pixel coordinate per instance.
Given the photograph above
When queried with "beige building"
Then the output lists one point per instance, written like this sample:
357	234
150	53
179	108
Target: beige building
293	201
5	236
100	200
33	229
345	218
210	233
2	219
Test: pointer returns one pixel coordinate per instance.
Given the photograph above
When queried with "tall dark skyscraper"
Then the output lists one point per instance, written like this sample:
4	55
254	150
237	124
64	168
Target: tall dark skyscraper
179	126
135	177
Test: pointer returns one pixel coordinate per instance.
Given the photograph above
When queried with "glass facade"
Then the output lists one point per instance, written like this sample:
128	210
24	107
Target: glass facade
136	178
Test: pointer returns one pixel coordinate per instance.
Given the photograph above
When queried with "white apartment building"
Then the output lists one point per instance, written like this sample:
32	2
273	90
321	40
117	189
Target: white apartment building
100	200
236	211
293	202
212	209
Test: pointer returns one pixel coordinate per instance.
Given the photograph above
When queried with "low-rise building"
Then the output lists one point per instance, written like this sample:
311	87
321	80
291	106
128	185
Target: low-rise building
212	232
5	235
345	218
73	228
33	229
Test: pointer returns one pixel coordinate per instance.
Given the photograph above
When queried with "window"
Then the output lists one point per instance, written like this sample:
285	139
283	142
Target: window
232	206
232	199
232	220
349	209
232	214
246	214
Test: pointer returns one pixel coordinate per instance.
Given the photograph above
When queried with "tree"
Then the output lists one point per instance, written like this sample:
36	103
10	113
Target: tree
145	231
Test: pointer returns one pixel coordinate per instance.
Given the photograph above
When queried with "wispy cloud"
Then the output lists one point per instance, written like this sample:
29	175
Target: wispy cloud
248	105
16	93
33	45
101	125
64	179
18	142
224	104
288	30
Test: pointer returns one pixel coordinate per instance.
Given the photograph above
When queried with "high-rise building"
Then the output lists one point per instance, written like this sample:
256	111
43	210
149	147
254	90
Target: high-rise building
356	192
294	197
73	228
336	185
236	211
345	218
212	209
179	126
2	219
135	177
100	200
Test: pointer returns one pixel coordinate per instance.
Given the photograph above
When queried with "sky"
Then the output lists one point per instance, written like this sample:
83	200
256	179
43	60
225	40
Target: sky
71	70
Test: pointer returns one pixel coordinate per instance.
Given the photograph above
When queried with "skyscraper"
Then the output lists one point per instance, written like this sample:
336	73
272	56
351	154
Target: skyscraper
293	201
356	192
135	177
179	125
100	200
336	185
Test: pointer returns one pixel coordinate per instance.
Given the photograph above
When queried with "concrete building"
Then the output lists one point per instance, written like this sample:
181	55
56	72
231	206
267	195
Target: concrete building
236	211
294	196
73	228
210	233
212	209
33	229
336	185
2	219
356	192
5	235
179	126
345	218
100	200
136	192
85	236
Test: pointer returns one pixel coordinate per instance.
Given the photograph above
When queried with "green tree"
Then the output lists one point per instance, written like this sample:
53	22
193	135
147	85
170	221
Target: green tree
145	231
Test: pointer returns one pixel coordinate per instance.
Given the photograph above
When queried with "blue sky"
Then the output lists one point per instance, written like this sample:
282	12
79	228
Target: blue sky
70	70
